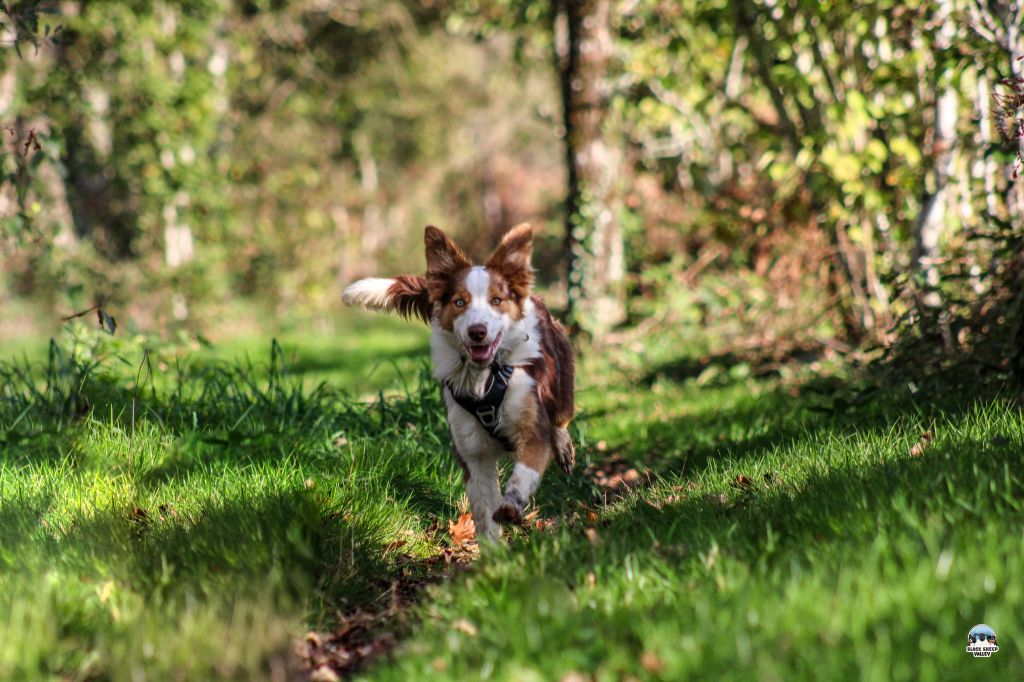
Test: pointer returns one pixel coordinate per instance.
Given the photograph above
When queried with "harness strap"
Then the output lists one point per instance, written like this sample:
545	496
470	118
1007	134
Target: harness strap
486	409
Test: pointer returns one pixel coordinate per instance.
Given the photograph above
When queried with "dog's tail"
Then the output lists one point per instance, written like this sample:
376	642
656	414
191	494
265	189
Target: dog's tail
406	295
565	451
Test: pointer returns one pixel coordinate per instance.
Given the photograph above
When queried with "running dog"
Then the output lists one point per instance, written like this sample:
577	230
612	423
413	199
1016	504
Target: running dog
504	364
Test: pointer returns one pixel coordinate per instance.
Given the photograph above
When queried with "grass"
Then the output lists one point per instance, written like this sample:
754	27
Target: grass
198	516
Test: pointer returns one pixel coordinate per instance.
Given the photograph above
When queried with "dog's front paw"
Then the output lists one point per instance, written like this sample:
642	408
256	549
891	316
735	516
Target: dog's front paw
510	512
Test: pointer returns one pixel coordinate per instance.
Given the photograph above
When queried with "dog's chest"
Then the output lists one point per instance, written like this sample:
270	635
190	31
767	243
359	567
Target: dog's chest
471	439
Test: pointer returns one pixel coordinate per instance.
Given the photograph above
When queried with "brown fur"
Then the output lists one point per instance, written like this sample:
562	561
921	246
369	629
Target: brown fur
553	370
510	301
553	374
446	265
511	260
410	298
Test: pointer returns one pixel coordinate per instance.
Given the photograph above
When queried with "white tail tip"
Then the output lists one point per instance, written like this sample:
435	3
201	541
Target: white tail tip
370	293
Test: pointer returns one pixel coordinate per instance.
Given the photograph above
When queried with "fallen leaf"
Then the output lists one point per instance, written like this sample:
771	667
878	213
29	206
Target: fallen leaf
651	662
396	544
592	517
463	625
140	516
593	537
324	674
591	580
462	530
309	483
743	483
922	444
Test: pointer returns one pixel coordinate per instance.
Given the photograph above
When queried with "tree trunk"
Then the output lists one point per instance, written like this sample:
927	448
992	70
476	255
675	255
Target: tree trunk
594	251
1015	48
932	219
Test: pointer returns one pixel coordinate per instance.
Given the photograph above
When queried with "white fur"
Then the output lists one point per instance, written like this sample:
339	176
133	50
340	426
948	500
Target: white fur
520	343
484	494
480	310
524	481
371	293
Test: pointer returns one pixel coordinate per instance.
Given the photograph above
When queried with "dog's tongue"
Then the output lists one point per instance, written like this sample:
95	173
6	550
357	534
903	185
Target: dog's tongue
480	353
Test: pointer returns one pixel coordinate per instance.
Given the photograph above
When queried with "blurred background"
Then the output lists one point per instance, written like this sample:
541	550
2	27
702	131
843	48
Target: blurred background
792	175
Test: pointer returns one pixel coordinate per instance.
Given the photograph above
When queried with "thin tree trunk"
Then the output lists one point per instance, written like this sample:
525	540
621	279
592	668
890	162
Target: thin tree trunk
593	235
1015	48
932	219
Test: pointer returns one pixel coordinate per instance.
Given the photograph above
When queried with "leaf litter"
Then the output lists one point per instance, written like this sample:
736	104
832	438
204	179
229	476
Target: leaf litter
372	631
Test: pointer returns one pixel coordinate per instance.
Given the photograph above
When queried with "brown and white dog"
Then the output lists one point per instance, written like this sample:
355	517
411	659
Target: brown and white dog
504	364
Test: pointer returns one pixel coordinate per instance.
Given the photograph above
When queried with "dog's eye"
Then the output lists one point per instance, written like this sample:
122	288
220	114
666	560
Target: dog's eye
460	303
495	301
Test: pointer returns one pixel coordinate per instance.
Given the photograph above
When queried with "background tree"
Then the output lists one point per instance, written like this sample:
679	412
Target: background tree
595	263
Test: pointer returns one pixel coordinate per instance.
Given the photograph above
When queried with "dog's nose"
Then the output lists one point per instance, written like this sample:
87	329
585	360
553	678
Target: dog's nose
477	332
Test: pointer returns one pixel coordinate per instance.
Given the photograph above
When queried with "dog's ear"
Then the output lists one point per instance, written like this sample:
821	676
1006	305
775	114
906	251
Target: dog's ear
512	260
444	261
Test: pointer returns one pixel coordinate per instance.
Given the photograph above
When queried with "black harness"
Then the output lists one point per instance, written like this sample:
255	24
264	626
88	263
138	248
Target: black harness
485	409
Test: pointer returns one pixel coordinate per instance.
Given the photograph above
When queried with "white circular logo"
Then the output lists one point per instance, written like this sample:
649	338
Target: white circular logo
981	641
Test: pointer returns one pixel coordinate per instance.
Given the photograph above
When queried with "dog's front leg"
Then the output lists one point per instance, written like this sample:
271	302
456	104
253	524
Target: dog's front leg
484	492
532	457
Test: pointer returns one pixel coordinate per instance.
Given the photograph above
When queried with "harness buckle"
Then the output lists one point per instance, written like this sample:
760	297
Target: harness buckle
488	416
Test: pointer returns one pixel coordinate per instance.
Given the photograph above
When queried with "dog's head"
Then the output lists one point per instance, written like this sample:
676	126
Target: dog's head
479	303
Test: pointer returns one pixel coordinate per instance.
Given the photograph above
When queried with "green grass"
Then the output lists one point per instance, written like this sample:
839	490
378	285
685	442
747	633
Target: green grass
199	516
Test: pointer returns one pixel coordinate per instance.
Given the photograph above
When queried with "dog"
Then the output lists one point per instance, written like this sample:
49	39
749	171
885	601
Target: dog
504	364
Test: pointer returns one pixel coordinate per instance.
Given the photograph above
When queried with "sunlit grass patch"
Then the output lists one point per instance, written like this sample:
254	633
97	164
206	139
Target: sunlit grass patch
191	518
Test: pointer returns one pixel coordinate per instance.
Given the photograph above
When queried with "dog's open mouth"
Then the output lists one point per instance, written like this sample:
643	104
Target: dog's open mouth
483	353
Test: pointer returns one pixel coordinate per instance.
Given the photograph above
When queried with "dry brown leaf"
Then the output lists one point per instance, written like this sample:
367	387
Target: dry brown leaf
462	530
592	517
396	544
591	580
324	674
593	536
463	625
922	444
743	483
651	662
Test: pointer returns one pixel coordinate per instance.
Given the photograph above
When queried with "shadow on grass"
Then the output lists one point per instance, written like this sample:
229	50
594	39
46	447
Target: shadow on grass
760	364
287	545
